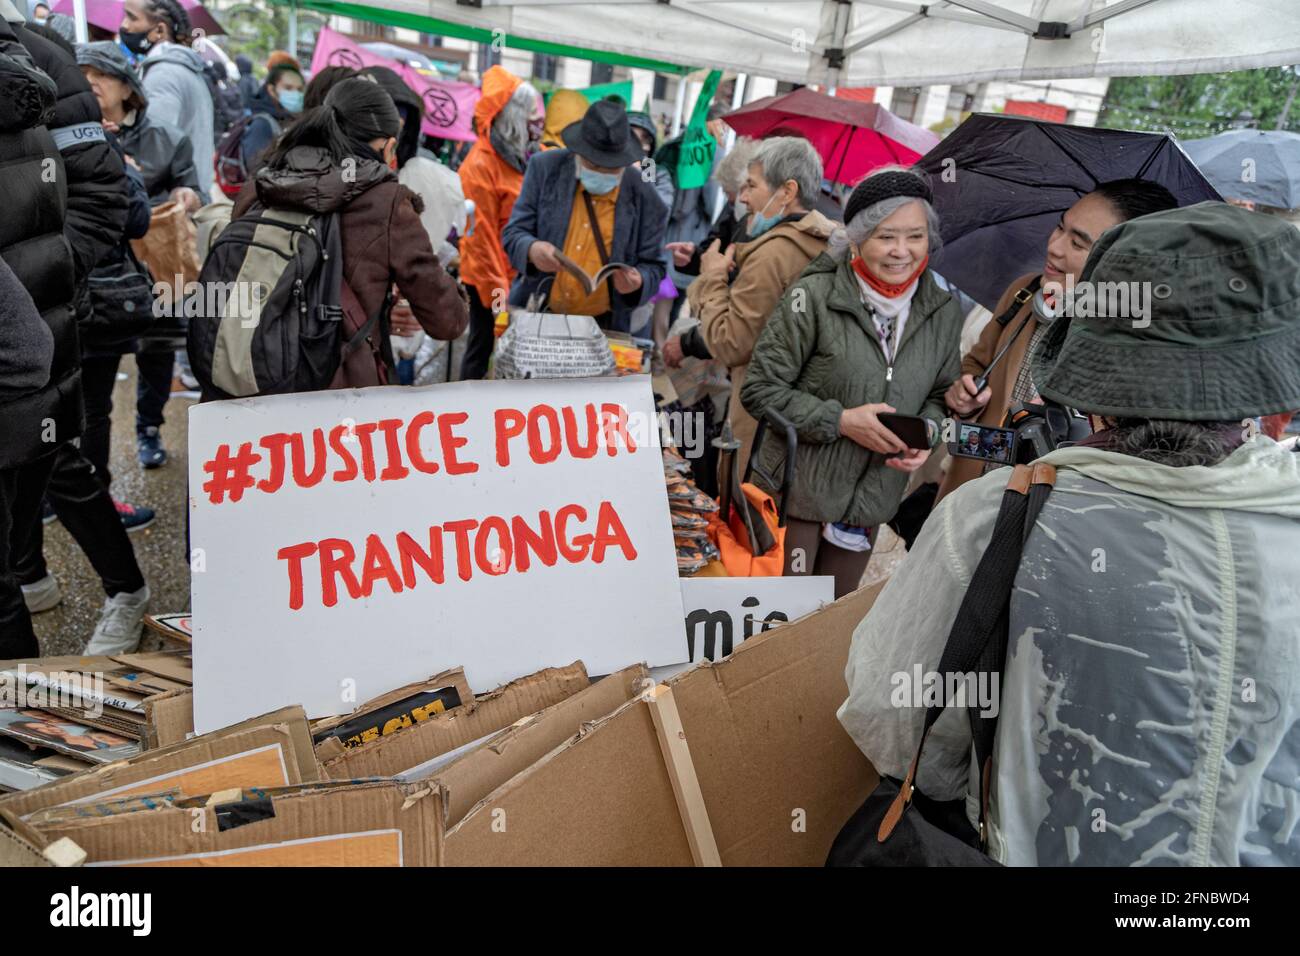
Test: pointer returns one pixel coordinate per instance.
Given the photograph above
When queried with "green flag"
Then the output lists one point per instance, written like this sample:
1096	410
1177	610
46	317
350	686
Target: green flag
695	161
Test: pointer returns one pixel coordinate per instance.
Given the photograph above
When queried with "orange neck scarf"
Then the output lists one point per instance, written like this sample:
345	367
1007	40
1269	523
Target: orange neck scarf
888	290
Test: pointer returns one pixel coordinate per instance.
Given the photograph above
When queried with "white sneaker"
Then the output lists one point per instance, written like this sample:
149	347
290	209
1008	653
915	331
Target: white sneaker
43	595
120	624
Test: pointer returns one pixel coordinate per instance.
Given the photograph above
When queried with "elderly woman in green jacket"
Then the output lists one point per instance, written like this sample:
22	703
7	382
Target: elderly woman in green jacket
865	330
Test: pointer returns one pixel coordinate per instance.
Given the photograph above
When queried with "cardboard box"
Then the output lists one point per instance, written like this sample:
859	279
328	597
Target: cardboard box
603	798
268	751
468	778
489	713
377	823
778	774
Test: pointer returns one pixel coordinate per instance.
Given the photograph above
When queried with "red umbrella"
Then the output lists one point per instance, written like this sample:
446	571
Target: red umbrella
852	137
107	14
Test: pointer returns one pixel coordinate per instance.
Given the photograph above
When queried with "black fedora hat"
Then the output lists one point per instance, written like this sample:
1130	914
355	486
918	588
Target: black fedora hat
603	136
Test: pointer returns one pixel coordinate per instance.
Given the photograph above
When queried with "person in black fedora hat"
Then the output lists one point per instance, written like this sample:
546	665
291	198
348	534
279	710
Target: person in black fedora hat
590	201
1149	696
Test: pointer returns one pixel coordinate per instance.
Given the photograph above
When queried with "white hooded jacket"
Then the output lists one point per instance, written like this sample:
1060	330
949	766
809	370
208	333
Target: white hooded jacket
1150	704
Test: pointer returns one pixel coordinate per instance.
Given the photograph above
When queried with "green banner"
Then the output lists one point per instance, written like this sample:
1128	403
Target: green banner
695	161
622	90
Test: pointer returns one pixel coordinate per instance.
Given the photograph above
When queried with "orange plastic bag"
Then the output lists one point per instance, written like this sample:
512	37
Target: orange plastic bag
732	538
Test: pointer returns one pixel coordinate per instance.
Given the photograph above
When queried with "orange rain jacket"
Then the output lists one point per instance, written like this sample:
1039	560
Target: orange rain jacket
494	186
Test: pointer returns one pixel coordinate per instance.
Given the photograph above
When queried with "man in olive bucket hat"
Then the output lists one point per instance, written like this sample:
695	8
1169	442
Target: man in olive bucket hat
1152	671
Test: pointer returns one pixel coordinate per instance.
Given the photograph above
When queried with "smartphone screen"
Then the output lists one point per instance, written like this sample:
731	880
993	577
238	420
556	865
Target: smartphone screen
985	443
910	429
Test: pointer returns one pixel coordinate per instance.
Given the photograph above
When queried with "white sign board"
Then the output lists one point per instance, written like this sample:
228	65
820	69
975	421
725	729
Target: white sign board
722	612
348	542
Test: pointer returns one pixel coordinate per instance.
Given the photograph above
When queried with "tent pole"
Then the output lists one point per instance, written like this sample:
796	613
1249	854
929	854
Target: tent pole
680	106
79	19
293	29
737	101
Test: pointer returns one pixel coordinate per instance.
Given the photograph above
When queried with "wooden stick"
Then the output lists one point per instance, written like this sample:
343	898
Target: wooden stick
681	771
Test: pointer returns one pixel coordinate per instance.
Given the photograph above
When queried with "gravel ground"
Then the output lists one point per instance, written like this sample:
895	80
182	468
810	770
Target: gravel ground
160	548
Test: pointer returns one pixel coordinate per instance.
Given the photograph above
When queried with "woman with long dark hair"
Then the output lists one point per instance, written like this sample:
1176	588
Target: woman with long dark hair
341	157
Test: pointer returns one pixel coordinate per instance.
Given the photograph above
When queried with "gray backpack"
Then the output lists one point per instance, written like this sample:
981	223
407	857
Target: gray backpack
268	317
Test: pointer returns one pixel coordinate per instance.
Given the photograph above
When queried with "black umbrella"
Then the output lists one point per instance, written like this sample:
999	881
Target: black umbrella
1261	165
1001	183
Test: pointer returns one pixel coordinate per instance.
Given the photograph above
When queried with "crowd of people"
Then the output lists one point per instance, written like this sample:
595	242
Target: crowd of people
824	310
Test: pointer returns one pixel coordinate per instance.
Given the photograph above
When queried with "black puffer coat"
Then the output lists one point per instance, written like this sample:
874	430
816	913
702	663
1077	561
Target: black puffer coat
33	247
87	201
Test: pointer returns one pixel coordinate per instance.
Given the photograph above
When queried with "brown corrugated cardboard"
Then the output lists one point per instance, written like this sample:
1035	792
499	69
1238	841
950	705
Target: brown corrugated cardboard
169	719
19	841
440	734
271	750
603	798
454	678
173	664
377	823
472	776
143	679
779	774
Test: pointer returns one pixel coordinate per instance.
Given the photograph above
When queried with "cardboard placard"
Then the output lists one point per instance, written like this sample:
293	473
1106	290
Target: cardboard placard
778	774
354	824
499	525
268	751
477	772
723	612
443	733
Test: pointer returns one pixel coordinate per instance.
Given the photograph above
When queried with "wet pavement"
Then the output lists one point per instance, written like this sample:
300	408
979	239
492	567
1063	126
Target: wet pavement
160	548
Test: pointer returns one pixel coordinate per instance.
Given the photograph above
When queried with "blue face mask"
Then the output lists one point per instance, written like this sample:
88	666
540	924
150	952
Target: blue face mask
598	184
291	100
759	223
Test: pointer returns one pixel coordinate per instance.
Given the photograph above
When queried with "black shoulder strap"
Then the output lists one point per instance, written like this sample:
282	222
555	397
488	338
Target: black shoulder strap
1018	303
978	639
600	241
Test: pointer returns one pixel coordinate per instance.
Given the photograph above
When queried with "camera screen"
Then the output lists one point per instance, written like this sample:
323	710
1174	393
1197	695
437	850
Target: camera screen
985	443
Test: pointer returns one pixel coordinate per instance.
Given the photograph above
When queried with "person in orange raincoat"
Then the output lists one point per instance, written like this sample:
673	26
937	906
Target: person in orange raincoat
508	123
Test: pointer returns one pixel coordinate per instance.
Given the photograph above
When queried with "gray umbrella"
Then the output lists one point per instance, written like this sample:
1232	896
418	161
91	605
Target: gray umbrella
1259	165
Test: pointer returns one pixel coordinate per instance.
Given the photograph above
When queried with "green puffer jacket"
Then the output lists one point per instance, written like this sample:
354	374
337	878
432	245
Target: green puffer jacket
818	355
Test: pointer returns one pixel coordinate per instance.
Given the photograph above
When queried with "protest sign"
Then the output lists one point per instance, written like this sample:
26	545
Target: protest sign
722	612
695	161
448	107
347	542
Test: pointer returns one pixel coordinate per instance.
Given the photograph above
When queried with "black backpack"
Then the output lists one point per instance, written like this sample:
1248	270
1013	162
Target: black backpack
267	316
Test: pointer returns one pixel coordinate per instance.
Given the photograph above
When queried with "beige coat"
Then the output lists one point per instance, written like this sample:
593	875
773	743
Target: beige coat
733	315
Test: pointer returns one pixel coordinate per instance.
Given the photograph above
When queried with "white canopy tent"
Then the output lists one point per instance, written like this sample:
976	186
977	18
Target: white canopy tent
883	42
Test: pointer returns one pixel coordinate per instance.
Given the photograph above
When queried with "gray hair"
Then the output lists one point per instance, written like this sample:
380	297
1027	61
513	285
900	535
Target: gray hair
853	234
732	167
784	158
512	122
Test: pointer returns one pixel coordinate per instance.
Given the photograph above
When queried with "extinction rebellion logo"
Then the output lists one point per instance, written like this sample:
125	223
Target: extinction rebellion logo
440	107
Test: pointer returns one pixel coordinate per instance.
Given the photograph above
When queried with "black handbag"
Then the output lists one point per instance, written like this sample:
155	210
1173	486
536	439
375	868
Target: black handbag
121	299
898	825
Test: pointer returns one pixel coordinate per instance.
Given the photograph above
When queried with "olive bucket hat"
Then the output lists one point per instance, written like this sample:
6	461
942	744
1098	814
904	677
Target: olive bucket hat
1211	329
